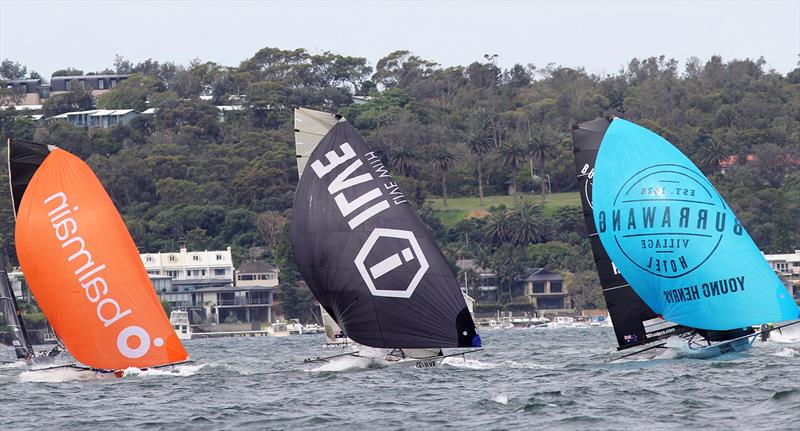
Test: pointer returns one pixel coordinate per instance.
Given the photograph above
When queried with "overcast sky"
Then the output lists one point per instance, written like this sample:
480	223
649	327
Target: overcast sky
601	36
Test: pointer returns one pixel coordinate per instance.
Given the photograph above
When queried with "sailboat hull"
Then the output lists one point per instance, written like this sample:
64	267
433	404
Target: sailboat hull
737	345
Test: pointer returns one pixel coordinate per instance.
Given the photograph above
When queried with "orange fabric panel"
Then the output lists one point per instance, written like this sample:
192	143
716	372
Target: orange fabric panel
86	273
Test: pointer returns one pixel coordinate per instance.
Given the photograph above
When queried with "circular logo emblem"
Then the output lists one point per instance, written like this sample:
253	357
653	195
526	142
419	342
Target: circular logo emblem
668	220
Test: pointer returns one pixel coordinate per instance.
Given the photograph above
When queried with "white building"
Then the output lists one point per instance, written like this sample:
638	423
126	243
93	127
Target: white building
103	118
191	265
787	265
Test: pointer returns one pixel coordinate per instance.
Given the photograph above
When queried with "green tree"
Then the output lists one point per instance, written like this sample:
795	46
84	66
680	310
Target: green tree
442	159
480	143
513	152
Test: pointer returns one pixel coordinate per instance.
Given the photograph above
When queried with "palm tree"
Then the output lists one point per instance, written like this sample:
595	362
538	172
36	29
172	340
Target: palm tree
542	148
709	153
513	153
442	158
403	160
498	228
528	222
480	143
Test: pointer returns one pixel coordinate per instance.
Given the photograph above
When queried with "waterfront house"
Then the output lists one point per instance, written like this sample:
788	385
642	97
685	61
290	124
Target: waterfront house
484	289
787	266
545	290
203	283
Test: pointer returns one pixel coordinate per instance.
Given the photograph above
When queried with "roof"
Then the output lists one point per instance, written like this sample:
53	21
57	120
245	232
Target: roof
256	267
540	274
54	78
787	257
97	113
149	111
67	114
102	112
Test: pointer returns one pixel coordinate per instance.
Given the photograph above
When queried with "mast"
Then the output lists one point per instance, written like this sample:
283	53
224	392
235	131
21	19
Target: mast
634	322
13	319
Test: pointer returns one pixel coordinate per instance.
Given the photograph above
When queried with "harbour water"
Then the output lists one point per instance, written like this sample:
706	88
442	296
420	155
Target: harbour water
543	378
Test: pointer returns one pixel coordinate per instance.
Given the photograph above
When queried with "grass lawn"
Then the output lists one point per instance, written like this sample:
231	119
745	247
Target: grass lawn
459	208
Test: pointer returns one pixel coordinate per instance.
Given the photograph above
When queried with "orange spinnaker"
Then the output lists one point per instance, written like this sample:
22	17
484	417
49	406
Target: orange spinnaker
86	273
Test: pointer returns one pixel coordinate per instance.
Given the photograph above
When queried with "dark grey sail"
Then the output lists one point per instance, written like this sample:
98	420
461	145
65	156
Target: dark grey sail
367	256
13	328
634	322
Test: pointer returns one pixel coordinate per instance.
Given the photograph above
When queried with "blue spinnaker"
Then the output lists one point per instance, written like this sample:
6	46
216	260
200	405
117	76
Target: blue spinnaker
675	239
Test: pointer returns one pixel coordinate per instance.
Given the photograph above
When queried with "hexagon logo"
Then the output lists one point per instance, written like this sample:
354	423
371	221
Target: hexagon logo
400	251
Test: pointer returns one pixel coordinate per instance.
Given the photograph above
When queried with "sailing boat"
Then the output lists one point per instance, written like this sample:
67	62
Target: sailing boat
671	256
11	323
366	255
82	265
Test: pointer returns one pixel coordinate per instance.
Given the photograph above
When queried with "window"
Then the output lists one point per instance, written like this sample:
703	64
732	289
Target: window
149	258
538	287
203	272
246	277
550	303
796	264
172	273
67	85
172	258
101	84
219	257
196	258
219	272
44	92
555	287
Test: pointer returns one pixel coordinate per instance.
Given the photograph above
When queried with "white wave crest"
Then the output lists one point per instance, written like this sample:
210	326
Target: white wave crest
787	353
347	363
61	374
183	370
12	365
500	399
474	364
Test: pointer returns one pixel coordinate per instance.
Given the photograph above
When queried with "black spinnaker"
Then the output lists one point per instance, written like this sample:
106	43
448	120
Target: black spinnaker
634	322
366	255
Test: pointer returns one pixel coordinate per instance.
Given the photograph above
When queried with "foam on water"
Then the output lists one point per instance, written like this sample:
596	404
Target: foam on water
476	364
62	374
500	399
787	352
348	363
182	370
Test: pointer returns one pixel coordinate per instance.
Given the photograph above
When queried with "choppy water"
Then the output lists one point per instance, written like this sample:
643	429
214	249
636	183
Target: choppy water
526	379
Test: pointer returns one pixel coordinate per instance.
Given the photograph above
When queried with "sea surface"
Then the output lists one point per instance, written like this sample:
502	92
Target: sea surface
524	379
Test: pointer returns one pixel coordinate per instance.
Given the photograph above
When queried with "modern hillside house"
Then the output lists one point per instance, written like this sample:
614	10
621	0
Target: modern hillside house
545	290
34	92
98	118
203	283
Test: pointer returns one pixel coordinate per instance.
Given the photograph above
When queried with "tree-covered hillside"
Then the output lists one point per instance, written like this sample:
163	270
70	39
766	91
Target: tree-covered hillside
466	131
